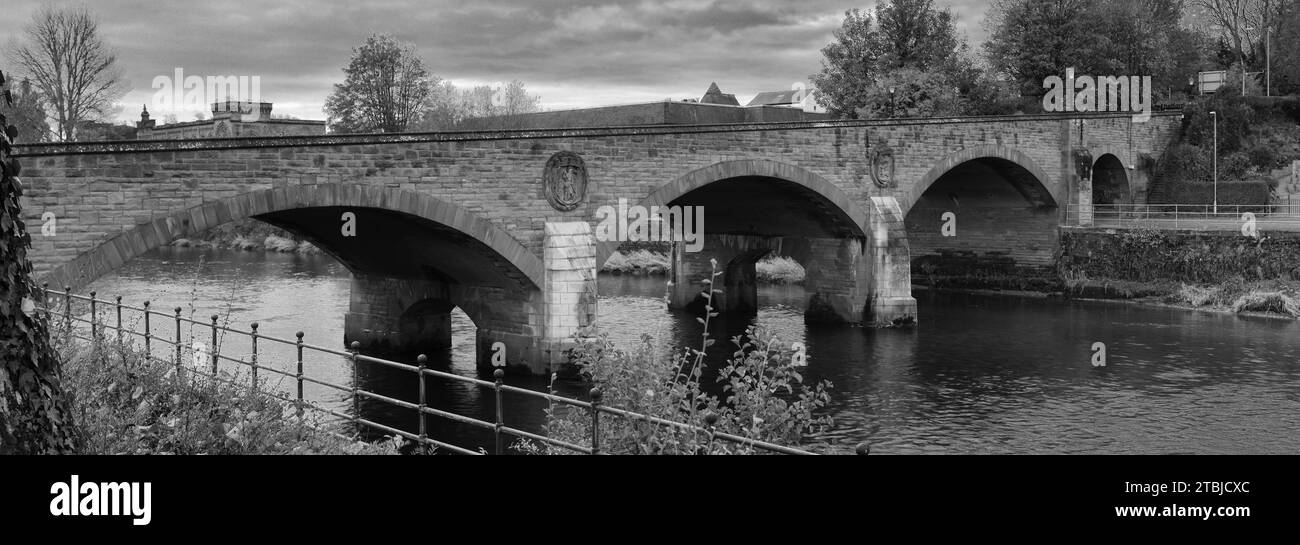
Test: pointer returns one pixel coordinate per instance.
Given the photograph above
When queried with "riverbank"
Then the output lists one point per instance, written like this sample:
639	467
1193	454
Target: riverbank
249	236
1275	297
1198	270
640	262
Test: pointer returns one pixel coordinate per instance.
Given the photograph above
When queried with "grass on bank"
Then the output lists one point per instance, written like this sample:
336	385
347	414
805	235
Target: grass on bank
126	403
1281	297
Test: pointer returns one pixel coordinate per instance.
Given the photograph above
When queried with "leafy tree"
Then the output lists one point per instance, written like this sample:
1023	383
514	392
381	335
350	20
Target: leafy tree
34	415
1032	39
908	46
1285	54
385	89
75	71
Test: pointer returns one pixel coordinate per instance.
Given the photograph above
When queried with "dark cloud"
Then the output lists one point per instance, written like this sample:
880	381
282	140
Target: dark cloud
572	52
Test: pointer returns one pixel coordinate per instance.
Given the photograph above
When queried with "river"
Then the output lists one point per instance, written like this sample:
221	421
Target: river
980	374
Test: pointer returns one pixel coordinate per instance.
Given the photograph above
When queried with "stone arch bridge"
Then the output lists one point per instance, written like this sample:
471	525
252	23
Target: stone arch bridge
463	219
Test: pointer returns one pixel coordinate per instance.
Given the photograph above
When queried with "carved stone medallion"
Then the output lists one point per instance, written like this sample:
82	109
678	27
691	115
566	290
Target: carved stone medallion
881	157
565	181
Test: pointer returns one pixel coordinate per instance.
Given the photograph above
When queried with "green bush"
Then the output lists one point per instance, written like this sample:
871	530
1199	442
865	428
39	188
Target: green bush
1146	255
127	403
1234	121
760	395
1248	193
1234	166
763	398
1263	157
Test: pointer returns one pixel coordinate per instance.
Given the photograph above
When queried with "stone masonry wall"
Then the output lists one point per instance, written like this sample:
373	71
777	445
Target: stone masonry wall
103	189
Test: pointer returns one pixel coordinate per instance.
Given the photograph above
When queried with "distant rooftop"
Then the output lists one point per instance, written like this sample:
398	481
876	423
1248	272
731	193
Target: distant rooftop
773	98
650	113
716	96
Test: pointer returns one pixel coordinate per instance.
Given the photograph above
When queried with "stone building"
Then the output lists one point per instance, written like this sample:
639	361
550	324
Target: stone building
229	119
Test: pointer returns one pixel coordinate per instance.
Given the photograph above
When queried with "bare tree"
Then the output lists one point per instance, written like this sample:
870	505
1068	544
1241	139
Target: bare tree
74	69
497	106
1233	21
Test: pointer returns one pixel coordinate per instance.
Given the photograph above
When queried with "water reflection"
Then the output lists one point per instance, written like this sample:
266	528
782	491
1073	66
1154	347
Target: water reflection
979	374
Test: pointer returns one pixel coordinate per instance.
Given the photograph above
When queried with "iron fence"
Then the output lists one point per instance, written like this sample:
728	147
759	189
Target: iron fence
1195	217
353	356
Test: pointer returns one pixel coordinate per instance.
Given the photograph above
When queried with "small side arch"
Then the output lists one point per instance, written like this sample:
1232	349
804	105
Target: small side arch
1029	179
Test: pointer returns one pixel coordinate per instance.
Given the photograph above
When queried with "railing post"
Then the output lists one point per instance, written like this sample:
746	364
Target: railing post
299	335
45	301
178	341
498	377
213	348
94	317
117	305
355	349
422	362
146	331
67	307
595	420
254	359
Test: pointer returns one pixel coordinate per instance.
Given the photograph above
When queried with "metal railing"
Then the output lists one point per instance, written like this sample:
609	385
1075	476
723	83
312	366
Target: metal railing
353	356
1196	217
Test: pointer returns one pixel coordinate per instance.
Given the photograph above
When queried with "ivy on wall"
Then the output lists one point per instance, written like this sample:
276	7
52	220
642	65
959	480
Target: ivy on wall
34	415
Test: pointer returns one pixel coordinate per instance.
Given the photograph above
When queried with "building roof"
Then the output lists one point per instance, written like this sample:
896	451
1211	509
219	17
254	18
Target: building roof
773	98
716	96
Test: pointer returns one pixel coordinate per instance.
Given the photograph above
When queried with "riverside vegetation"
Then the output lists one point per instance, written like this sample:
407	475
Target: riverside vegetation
1197	270
758	394
125	402
122	401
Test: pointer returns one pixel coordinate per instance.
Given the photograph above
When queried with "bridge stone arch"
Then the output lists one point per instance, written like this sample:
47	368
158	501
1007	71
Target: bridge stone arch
987	212
842	204
841	241
492	277
112	253
1037	188
1111	182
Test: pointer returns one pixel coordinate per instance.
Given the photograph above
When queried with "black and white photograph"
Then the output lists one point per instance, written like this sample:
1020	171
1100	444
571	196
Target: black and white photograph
640	227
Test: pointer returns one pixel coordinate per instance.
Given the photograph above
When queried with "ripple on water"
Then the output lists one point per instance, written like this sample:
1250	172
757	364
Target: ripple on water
979	373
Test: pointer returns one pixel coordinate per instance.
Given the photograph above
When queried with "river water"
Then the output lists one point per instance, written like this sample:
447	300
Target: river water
980	374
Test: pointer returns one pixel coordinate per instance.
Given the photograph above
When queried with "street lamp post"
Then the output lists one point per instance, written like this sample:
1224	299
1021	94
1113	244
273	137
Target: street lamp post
891	102
1215	117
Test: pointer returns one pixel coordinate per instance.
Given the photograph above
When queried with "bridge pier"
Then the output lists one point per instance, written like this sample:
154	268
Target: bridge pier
736	291
847	281
531	331
396	315
835	279
889	291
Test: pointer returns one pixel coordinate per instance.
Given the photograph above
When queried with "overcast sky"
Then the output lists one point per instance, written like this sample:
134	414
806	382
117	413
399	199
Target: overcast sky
573	53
